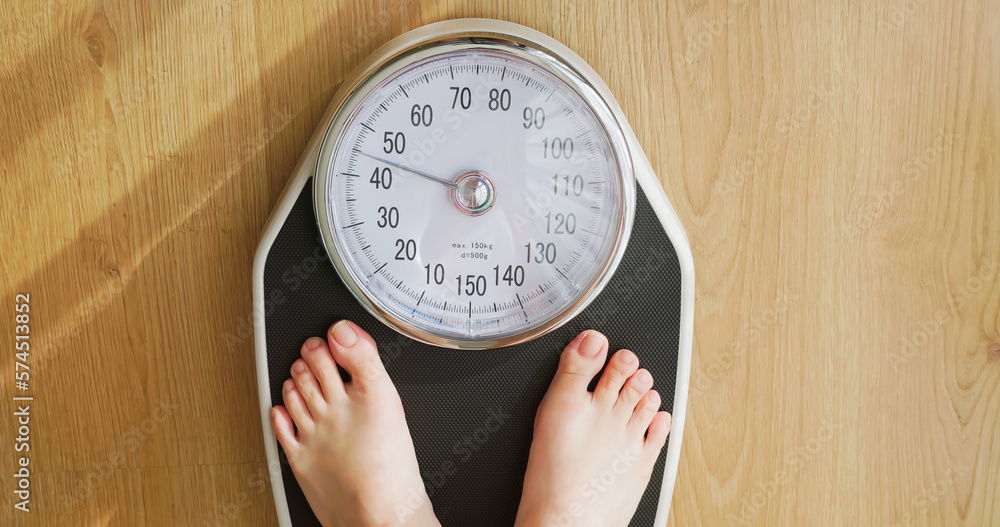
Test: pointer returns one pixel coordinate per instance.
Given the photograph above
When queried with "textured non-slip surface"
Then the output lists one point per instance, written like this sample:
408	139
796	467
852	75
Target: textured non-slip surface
470	412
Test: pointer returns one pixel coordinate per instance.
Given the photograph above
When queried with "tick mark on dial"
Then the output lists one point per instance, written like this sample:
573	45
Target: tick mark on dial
351	226
450	70
522	306
380	268
368	127
349	174
561	273
503	73
421	297
404	91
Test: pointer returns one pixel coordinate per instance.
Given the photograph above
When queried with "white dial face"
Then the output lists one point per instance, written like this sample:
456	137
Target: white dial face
474	195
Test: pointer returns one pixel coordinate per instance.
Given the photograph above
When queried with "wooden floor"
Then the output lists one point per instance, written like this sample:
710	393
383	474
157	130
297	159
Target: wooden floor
836	166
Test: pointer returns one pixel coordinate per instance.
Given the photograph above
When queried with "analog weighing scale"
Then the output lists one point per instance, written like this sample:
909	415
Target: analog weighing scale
471	200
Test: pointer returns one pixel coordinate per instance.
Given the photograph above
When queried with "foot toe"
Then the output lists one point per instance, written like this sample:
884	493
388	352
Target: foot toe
635	387
644	412
580	362
659	428
317	355
296	407
355	351
308	387
284	429
621	366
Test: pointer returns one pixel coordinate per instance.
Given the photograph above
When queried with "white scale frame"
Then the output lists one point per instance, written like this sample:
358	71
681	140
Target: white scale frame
644	175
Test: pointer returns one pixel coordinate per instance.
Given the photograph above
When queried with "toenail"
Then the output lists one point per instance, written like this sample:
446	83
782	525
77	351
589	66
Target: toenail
288	385
628	357
344	334
298	367
645	377
654	399
592	344
578	339
313	343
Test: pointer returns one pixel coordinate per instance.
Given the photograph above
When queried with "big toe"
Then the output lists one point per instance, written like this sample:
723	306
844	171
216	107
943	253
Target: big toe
354	350
580	362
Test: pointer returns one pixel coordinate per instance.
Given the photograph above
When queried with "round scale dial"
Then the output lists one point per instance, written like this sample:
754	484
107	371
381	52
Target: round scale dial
474	193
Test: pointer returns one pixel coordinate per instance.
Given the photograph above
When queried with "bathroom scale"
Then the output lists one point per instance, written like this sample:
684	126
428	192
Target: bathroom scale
474	198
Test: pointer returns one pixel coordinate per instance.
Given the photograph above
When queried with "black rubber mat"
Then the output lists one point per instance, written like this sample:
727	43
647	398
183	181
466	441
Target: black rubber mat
471	412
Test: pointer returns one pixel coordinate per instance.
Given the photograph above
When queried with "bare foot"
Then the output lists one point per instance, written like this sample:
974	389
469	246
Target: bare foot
350	448
591	457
